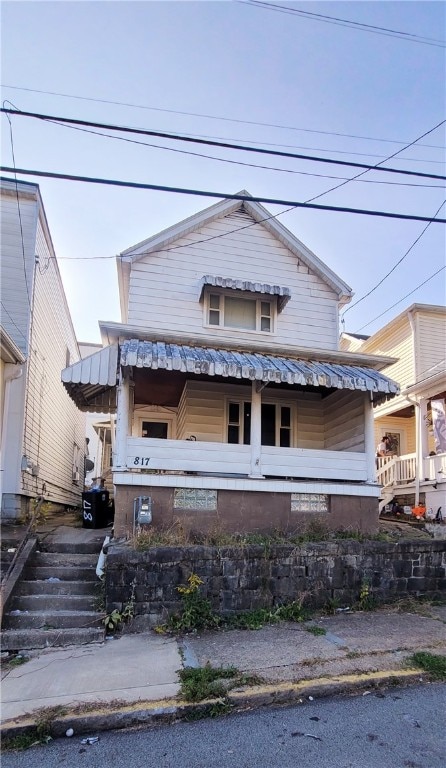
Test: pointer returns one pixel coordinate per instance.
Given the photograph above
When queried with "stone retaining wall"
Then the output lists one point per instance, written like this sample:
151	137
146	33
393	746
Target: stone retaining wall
242	579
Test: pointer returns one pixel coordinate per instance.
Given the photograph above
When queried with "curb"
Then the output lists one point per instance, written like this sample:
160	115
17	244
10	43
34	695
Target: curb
151	713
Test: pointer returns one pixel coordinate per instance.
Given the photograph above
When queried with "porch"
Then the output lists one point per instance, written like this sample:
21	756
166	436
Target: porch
404	475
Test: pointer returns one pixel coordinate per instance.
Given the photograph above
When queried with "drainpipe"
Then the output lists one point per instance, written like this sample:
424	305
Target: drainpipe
256	429
420	443
369	439
11	373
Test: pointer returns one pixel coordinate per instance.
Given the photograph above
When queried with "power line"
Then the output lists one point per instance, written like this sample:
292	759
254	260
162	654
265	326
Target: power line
372	290
395	303
390	157
222	145
209	117
408	36
241	163
224	195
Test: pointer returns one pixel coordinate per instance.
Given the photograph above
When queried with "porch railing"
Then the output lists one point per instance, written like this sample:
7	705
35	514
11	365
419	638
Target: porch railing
150	454
402	470
435	468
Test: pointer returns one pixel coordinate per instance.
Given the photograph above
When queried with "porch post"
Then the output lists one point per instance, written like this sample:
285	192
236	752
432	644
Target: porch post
256	431
369	439
421	444
122	419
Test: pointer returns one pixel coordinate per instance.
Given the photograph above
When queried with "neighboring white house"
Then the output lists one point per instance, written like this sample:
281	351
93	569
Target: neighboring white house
43	432
99	432
235	407
417	339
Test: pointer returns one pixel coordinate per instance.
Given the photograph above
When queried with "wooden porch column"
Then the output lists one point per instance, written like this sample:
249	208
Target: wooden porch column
256	430
421	444
369	439
122	419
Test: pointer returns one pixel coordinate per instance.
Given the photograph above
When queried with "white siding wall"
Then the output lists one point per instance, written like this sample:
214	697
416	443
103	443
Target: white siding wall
344	421
430	341
164	286
397	342
53	424
15	287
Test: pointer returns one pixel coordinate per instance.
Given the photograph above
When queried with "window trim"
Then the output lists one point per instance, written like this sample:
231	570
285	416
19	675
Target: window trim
267	401
165	418
259	299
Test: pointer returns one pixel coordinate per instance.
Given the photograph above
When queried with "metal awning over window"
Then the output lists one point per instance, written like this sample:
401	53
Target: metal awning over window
255	367
283	294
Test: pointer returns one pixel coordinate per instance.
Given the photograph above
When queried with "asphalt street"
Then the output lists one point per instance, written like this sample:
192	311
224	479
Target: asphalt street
398	728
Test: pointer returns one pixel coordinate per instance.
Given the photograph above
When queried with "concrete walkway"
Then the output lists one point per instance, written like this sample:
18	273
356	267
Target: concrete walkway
140	672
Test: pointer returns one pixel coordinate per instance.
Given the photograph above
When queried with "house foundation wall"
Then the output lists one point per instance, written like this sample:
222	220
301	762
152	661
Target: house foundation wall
245	512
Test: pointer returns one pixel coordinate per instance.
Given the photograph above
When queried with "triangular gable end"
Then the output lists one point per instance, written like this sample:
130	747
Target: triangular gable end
222	209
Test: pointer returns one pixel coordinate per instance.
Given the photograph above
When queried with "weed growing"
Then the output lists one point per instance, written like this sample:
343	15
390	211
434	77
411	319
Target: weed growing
432	663
315	630
201	683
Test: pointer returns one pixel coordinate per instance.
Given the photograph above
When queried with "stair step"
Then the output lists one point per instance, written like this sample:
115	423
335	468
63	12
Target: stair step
67	573
52	619
46	603
22	639
56	559
61	587
80	548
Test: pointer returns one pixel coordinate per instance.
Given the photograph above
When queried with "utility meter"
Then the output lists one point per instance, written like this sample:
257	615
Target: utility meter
143	510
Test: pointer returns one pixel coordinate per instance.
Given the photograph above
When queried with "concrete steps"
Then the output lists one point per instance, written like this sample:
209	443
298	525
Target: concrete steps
55	603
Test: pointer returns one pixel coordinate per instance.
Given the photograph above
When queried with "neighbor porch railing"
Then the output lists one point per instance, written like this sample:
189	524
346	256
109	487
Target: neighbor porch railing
402	470
226	459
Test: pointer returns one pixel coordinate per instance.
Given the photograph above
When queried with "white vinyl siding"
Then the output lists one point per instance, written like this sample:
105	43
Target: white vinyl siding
53	424
397	342
164	286
430	342
17	265
344	421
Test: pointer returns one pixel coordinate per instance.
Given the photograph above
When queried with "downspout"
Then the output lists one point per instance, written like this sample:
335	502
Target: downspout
418	424
12	372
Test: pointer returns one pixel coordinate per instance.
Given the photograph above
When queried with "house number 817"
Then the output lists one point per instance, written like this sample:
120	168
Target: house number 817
141	461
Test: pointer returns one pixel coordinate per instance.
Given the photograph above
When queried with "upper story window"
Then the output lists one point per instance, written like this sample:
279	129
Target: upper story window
250	314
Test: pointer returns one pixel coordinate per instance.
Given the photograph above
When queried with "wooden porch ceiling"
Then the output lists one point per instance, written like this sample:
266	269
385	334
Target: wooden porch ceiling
165	387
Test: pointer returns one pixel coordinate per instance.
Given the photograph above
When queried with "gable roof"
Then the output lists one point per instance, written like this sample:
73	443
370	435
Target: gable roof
226	207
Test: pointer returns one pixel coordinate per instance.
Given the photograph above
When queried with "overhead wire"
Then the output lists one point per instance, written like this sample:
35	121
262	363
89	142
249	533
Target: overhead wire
222	145
224	195
210	117
244	164
359	26
395	303
372	290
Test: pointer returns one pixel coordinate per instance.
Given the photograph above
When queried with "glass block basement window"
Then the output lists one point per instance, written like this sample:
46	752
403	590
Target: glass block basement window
195	498
309	502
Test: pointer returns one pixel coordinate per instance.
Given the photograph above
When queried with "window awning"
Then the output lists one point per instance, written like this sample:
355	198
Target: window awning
283	294
255	367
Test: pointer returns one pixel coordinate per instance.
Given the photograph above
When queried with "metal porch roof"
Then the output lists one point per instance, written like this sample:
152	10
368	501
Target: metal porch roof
255	367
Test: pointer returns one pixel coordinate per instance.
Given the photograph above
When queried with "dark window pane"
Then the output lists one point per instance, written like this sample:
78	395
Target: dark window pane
265	324
214	317
214	301
247	423
285	438
233	434
234	411
285	416
156	429
268	424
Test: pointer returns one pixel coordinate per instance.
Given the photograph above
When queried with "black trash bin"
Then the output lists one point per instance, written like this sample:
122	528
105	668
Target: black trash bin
95	510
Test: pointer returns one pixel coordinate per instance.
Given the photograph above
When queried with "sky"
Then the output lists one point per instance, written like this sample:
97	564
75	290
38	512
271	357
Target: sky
245	73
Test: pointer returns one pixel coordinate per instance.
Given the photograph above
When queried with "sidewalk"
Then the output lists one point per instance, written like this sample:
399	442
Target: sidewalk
134	678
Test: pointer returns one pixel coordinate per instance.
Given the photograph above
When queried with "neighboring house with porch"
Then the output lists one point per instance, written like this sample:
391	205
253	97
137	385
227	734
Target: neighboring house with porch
42	430
416	474
234	406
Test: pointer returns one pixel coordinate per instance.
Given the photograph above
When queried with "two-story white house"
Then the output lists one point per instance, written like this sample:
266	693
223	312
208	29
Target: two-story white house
234	406
42	430
415	419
